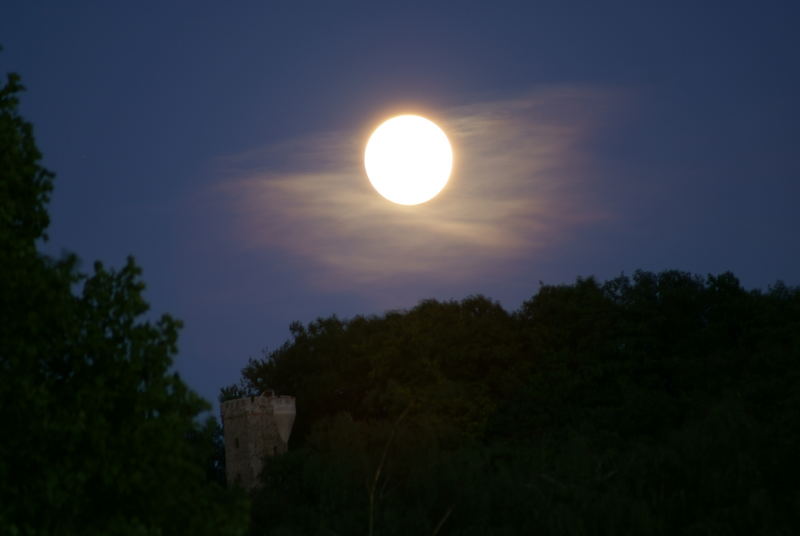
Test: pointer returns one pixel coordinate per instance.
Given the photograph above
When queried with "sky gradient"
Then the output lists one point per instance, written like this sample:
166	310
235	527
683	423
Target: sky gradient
221	146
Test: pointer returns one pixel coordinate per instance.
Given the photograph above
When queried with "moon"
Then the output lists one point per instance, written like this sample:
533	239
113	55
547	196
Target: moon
408	159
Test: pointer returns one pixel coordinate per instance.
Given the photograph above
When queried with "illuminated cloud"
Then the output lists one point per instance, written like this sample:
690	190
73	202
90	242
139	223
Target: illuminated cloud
516	191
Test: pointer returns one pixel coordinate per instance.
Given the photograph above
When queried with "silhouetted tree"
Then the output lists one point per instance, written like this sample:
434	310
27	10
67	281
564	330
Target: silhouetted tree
99	436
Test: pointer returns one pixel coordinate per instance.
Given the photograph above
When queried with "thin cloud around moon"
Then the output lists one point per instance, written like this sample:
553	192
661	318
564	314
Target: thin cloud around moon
517	189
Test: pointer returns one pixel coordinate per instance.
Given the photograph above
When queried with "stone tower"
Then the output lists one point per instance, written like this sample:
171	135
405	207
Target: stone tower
254	427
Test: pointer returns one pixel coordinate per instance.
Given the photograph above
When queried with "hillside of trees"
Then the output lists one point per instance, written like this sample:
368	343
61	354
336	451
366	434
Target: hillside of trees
99	435
661	403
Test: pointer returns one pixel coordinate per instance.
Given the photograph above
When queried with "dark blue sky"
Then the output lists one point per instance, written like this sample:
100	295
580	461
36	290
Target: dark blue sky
637	134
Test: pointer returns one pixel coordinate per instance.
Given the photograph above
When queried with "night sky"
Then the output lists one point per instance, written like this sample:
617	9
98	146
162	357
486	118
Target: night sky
221	144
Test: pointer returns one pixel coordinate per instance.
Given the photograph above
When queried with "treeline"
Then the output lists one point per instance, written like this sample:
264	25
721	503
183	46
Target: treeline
98	436
662	403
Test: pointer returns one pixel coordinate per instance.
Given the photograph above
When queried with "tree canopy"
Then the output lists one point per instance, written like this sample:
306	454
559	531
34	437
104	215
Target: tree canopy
100	436
657	403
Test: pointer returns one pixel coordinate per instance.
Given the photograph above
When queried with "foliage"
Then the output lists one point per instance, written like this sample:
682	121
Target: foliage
100	437
661	403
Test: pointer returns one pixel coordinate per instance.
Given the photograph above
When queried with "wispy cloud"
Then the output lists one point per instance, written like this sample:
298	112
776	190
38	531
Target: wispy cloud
515	191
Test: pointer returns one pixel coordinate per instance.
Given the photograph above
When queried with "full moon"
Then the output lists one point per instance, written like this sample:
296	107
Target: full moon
408	159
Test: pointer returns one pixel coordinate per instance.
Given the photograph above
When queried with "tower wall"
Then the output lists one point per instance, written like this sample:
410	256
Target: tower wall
254	427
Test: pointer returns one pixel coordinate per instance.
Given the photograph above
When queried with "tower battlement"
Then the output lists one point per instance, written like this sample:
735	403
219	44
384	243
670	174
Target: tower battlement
254	427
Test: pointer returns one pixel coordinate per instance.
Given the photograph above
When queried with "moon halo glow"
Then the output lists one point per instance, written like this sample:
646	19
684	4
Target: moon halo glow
408	159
